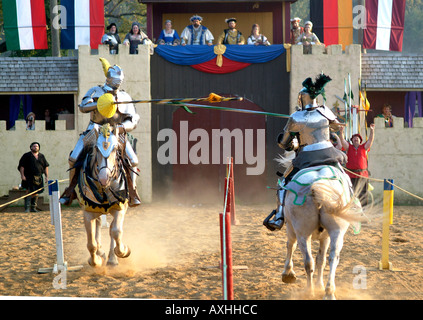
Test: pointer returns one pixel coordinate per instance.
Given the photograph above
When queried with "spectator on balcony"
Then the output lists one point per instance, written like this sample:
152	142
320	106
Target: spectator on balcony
256	38
168	35
308	38
296	30
50	124
135	37
231	35
387	115
112	38
196	33
30	121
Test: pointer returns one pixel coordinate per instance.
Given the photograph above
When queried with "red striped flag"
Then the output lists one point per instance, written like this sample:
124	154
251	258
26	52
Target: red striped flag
384	25
25	24
85	23
332	21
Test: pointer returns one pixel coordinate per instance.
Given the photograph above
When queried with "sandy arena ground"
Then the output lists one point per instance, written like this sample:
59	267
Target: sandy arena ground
174	248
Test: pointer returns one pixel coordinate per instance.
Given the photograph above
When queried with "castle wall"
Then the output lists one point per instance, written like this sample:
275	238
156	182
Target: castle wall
57	144
332	62
397	154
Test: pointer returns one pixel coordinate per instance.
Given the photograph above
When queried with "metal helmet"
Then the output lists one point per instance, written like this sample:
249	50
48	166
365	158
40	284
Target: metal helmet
311	89
114	77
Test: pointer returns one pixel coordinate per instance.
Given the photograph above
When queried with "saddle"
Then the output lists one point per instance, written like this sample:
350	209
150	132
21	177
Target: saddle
301	182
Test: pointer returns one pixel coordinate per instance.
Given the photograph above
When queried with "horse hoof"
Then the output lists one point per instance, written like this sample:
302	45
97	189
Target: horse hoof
112	264
95	264
330	296
289	278
122	255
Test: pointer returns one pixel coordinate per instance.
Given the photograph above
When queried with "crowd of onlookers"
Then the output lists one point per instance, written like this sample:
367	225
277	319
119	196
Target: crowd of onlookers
198	34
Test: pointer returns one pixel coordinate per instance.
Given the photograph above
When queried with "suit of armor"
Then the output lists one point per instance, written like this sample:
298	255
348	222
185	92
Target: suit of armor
125	116
308	133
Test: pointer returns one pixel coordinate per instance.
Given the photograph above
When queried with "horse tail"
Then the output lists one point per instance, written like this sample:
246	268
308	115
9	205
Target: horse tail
325	195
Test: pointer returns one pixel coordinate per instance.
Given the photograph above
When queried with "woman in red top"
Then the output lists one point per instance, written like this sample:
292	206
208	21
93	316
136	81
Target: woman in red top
357	160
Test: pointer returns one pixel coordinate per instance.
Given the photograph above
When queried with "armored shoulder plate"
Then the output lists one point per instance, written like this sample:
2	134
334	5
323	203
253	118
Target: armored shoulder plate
92	95
327	113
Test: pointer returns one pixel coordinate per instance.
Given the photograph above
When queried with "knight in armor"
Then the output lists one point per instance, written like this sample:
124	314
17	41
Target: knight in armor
125	117
307	132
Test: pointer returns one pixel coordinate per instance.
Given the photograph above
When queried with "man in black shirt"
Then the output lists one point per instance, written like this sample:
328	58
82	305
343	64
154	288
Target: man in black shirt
32	166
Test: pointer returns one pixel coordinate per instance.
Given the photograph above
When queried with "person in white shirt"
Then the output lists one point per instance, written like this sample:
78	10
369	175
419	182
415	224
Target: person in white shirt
256	38
196	33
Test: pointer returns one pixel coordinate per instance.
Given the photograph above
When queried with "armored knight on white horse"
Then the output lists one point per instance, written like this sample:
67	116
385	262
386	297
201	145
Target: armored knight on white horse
307	133
315	196
125	117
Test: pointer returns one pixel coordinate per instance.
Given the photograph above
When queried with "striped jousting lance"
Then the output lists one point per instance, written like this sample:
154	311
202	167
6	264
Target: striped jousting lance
107	106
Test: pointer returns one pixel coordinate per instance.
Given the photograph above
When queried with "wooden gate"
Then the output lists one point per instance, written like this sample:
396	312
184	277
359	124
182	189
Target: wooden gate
205	140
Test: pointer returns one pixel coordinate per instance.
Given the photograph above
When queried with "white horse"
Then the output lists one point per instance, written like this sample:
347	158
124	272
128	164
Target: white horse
102	188
323	214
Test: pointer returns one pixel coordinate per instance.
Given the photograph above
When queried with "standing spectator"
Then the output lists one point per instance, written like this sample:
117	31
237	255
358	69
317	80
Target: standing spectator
168	35
135	37
357	161
387	115
231	35
50	124
308	38
296	30
256	38
112	38
196	33
32	166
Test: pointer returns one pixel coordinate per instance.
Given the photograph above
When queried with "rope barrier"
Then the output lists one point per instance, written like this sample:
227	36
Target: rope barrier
389	182
31	193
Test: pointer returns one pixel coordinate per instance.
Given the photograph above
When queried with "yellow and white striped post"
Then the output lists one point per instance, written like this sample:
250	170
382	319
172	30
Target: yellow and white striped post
388	211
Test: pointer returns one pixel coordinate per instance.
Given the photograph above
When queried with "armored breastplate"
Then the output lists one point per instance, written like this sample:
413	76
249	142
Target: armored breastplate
311	125
121	113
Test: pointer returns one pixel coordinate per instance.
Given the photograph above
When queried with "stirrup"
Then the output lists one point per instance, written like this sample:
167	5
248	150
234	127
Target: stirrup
275	225
266	221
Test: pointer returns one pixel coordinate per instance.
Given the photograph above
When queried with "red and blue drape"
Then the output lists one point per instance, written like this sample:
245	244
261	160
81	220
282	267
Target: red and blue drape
204	58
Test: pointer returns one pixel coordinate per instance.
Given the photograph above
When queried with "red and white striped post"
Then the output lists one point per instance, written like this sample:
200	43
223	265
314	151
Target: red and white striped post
226	256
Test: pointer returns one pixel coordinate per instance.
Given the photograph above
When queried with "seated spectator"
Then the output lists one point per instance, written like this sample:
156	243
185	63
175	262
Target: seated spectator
256	38
196	33
308	38
112	38
387	115
135	37
296	30
30	121
231	35
168	35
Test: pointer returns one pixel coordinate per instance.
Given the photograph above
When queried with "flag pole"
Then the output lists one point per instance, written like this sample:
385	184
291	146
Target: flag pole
55	39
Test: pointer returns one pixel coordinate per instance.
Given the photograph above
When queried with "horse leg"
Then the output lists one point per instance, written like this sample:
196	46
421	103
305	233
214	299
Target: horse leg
93	246
321	261
100	251
336	243
305	247
288	274
117	248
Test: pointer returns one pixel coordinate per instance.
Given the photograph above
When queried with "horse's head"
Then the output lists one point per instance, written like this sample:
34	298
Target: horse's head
106	159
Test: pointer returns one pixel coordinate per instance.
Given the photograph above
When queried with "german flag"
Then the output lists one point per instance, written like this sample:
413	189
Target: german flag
332	21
